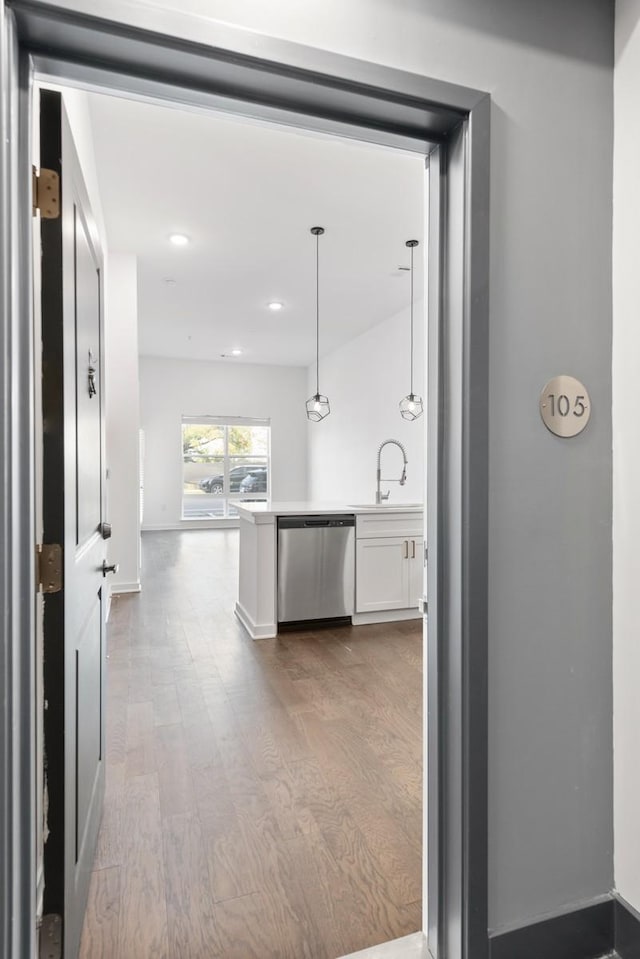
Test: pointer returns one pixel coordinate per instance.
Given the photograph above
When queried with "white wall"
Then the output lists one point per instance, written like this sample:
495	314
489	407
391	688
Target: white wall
122	420
365	380
170	389
626	452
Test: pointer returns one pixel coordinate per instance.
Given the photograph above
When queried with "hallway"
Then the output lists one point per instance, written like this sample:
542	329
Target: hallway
263	798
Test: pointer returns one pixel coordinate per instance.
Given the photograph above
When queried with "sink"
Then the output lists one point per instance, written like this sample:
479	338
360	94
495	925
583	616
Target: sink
398	506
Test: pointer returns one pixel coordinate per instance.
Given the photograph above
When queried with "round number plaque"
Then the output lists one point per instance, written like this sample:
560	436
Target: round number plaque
565	406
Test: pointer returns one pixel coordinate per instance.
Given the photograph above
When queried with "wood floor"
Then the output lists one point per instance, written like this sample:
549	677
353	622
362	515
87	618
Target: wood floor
263	798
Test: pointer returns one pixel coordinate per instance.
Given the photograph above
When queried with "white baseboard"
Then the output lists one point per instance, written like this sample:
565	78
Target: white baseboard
264	631
192	524
269	630
409	947
385	616
125	588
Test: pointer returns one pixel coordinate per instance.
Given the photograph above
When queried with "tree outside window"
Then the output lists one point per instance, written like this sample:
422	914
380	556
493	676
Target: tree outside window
223	463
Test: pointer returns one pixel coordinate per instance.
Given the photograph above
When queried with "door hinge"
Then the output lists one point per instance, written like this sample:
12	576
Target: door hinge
45	188
50	945
49	567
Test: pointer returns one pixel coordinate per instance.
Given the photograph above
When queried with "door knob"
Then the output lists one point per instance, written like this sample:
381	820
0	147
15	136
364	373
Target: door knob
106	568
105	529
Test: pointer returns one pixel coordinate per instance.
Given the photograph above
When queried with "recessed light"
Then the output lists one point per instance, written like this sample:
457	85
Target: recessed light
179	239
169	280
236	352
275	305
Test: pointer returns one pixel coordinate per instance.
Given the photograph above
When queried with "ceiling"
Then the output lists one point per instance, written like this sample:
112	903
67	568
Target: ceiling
247	194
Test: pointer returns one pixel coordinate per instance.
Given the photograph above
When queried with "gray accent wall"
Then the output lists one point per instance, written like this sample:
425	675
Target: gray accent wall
548	68
550	655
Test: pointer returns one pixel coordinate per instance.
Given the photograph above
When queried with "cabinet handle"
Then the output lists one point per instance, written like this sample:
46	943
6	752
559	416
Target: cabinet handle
406	549
413	549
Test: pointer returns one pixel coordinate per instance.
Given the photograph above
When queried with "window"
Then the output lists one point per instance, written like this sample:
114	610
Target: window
224	461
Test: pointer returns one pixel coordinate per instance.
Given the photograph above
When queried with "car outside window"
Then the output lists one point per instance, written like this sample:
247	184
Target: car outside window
223	463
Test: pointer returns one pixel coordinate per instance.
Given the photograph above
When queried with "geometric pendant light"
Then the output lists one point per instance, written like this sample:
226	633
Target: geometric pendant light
411	405
317	405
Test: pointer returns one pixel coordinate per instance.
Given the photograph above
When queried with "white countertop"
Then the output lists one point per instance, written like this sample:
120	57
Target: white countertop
252	511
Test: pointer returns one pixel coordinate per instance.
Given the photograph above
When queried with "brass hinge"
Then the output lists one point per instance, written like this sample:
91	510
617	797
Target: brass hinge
49	567
46	193
50	945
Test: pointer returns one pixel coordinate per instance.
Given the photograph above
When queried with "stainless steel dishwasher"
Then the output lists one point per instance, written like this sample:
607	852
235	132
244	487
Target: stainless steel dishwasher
315	568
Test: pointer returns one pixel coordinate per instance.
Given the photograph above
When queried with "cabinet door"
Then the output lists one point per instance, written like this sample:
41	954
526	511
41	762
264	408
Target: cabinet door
416	571
382	573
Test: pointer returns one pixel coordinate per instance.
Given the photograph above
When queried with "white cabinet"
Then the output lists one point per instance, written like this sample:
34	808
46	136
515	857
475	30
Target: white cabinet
389	563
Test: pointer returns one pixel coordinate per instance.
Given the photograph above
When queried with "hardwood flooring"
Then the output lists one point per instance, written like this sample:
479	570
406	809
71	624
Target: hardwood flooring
263	799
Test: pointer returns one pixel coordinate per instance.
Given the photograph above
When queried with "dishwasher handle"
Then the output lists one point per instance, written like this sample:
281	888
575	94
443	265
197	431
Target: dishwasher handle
332	521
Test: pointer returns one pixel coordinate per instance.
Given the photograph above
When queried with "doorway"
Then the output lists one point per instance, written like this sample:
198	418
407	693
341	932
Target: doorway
457	460
198	716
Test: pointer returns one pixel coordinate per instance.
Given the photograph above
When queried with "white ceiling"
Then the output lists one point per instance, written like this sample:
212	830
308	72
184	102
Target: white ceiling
247	195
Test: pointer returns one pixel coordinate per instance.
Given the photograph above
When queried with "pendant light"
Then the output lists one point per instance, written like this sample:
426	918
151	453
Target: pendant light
411	405
317	405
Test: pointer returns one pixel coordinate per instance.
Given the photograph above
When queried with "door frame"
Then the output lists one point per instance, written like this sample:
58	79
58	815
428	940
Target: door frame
214	66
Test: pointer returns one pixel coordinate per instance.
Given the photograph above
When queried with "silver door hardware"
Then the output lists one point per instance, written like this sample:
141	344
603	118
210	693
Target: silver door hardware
92	375
105	530
45	193
425	607
109	567
565	406
406	549
426	554
413	549
49	567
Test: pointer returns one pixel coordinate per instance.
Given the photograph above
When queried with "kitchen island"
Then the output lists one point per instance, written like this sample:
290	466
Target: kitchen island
387	561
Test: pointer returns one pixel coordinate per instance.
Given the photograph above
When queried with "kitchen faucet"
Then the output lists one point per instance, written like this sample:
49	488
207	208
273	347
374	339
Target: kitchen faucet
403	479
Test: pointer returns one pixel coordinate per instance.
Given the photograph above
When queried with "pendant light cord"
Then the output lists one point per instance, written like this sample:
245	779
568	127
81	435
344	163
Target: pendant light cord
411	321
317	314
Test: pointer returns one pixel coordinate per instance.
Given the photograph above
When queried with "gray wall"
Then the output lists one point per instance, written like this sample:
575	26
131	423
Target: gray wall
548	66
